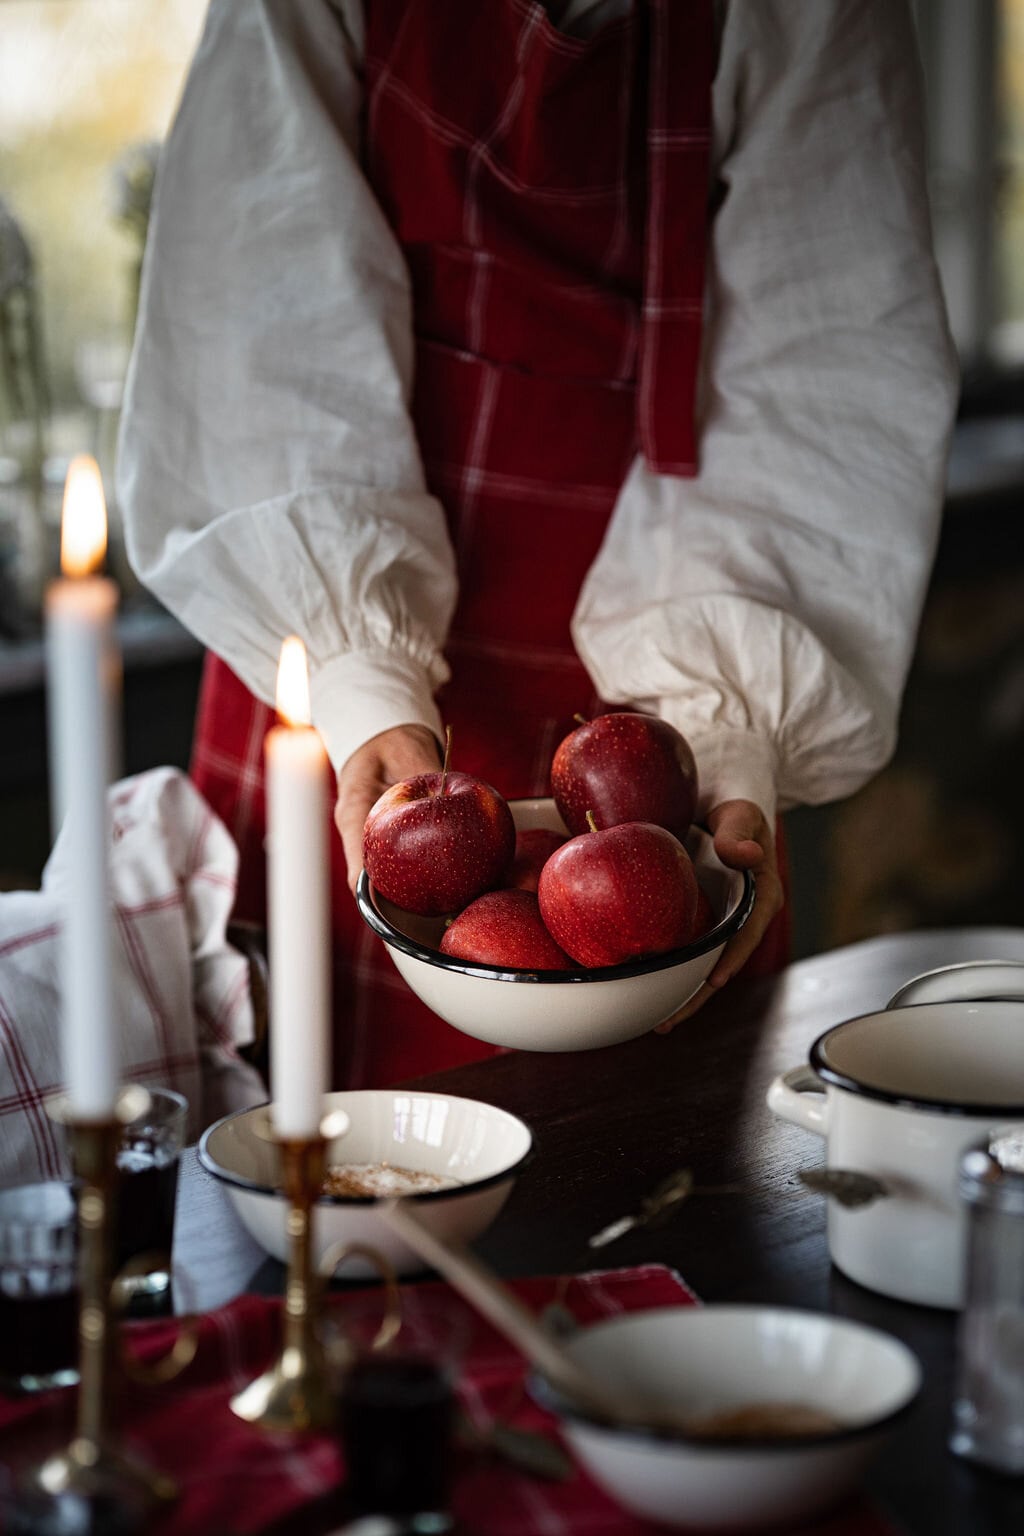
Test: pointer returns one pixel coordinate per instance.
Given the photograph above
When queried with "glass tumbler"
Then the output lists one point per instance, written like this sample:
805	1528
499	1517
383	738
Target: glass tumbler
988	1396
38	1287
397	1408
147	1164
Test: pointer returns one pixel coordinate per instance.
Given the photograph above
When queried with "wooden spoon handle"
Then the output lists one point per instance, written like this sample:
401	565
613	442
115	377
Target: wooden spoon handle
502	1307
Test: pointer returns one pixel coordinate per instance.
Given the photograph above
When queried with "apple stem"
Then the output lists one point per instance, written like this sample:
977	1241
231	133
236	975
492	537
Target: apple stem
581	718
447	758
591	823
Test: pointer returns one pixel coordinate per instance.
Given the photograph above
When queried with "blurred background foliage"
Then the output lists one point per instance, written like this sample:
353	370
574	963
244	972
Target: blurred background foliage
1009	243
82	84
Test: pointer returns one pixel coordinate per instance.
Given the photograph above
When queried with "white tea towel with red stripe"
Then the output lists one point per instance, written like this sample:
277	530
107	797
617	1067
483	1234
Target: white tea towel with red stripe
182	991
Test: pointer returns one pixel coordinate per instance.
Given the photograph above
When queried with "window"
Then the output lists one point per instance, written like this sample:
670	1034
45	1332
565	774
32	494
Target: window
1008	341
87	90
973	57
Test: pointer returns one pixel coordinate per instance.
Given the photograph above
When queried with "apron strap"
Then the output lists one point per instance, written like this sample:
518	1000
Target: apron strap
681	56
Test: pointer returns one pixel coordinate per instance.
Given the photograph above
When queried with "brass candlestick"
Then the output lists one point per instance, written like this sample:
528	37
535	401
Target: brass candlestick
295	1392
93	1467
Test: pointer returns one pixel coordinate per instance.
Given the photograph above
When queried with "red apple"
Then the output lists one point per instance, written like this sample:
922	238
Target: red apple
434	842
614	895
625	767
534	846
504	928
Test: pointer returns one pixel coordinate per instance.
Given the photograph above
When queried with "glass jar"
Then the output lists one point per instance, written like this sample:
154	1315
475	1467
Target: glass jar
988	1394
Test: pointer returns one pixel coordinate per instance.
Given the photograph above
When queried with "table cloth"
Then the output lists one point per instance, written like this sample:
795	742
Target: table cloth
235	1479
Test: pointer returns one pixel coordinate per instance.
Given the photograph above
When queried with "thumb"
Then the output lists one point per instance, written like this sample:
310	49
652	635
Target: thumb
741	833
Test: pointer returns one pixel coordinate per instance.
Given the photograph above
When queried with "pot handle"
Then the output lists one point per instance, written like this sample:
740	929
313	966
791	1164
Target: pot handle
788	1098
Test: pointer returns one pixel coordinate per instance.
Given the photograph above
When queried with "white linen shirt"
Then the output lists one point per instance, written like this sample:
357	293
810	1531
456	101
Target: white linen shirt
270	479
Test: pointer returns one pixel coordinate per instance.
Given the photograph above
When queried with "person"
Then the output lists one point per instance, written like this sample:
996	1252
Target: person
531	359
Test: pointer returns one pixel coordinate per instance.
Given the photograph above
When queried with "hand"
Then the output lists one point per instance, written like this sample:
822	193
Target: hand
743	840
400	753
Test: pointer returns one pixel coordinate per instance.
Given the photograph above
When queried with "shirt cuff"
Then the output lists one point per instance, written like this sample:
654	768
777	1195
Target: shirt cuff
360	694
734	765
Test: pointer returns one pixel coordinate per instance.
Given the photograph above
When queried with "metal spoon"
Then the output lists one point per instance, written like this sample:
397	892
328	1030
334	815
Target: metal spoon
525	1449
849	1188
662	1199
846	1186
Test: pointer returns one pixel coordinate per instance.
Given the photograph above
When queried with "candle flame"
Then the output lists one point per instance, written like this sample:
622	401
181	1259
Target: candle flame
293	683
83	527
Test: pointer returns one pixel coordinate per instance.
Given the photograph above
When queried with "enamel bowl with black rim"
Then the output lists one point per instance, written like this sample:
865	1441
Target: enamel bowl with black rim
788	1407
472	1151
573	1010
969	981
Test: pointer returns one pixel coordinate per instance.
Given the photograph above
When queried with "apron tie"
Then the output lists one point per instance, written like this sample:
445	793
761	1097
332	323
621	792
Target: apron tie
680	53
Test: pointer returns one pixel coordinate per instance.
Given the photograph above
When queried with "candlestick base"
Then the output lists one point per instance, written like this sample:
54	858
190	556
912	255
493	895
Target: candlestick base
89	1490
91	1485
294	1394
103	1472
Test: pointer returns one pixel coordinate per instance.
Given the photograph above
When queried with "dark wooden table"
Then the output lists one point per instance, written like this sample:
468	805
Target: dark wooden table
611	1124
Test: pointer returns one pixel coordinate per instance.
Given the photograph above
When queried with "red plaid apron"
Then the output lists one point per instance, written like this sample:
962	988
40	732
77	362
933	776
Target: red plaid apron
551	205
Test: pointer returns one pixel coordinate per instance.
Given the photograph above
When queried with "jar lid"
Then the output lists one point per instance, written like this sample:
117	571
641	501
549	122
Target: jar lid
992	1171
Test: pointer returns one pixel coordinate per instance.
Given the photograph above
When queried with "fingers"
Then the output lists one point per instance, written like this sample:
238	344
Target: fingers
698	999
349	818
743	840
401	753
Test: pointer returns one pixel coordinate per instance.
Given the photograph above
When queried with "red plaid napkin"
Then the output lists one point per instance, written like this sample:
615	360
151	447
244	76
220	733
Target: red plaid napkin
236	1479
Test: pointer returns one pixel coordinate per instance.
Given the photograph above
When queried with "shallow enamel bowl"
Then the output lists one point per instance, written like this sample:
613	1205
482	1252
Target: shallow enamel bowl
709	1360
479	1145
969	981
574	1010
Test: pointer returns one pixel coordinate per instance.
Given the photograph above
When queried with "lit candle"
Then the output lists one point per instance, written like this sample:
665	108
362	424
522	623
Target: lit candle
80	643
298	904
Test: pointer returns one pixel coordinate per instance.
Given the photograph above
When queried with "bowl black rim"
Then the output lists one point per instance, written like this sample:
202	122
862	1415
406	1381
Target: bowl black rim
729	925
897	999
550	1398
252	1186
896	1098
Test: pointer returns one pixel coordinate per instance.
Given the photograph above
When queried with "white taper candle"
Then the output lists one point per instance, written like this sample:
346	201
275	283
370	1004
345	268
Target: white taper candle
80	642
298	901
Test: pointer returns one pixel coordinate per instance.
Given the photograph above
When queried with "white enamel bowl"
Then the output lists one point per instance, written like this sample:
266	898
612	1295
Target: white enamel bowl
970	981
707	1360
574	1010
477	1144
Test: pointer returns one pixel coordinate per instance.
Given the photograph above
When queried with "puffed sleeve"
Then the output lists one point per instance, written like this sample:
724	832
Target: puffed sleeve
769	607
267	469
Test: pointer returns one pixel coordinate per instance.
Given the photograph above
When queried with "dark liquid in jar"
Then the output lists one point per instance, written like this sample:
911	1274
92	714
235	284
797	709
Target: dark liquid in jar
396	1423
146	1193
38	1326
